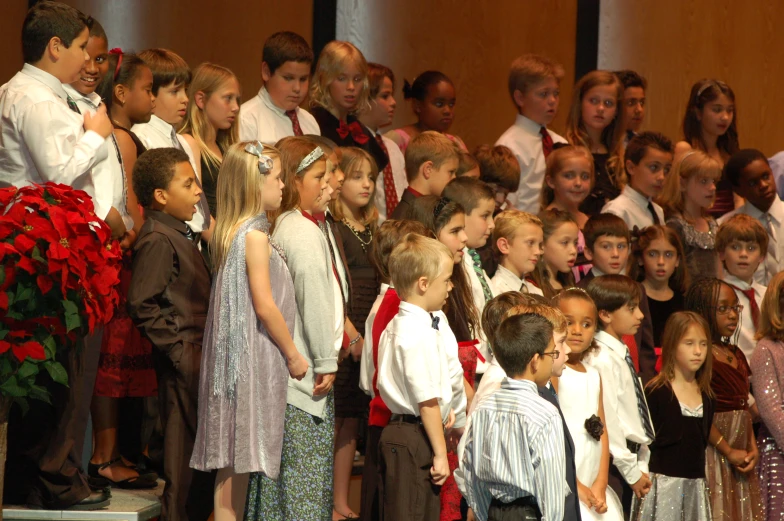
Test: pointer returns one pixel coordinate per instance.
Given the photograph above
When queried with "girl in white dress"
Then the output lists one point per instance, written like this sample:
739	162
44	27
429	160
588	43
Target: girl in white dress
580	397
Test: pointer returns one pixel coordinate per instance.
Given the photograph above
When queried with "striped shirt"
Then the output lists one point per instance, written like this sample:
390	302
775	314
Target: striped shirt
514	448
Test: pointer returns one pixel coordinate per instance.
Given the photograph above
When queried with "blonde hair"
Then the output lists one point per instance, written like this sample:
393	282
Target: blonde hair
694	163
208	78
555	164
553	315
293	149
351	160
612	135
771	324
507	224
529	69
239	196
331	62
416	256
676	327
428	146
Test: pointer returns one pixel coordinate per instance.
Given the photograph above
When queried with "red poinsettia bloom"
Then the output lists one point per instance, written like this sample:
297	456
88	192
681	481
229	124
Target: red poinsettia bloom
32	349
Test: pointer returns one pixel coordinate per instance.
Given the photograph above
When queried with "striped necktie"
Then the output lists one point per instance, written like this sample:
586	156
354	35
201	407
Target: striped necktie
642	405
72	104
480	273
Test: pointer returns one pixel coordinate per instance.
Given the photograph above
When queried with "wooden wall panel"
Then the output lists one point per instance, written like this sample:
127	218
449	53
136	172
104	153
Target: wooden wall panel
472	42
674	43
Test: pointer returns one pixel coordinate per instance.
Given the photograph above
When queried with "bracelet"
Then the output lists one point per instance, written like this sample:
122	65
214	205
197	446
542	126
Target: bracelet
716	445
351	344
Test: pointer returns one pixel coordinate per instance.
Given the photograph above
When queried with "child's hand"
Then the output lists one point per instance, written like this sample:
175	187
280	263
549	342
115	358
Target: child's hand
440	470
750	461
453	438
470	516
99	122
356	349
642	487
298	366
600	493
737	457
586	495
450	421
323	384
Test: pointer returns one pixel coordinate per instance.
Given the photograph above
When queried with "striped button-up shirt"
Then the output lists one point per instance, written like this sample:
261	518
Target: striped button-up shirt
514	448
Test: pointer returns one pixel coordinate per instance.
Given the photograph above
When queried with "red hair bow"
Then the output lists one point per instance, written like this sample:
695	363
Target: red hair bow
119	53
355	129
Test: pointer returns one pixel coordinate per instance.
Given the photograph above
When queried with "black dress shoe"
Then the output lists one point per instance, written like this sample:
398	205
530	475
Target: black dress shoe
94	501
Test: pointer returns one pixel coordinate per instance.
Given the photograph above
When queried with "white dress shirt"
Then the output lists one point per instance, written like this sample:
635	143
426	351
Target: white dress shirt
632	207
366	366
504	280
490	383
479	301
622	418
525	141
746	340
417	363
773	222
398	163
158	134
261	119
41	139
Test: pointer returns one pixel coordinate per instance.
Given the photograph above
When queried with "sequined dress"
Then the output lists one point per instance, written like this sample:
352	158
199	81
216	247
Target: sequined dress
702	260
244	377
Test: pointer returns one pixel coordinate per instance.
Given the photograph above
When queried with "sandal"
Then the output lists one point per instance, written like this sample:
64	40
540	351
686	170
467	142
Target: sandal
138	482
345	518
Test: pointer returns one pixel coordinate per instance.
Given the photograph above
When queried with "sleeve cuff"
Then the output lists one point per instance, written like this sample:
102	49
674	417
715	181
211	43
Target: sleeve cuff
325	365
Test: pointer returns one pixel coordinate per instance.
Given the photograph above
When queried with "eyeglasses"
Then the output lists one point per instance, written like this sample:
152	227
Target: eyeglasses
555	354
724	310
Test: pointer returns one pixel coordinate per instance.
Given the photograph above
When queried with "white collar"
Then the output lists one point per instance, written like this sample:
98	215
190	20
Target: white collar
732	280
529	125
45	78
776	211
507	274
611	342
596	271
414	311
93	99
160	125
265	97
636	197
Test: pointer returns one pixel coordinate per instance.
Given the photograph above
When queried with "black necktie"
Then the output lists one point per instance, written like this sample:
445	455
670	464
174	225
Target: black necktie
653	213
434	322
72	105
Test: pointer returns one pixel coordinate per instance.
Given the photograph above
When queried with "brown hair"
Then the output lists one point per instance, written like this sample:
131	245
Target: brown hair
468	192
167	68
496	309
293	149
350	160
551	221
498	165
428	146
376	75
693	163
285	46
702	93
604	224
741	227
466	162
638	146
529	69
771	324
611	292
548	311
679	280
555	165
675	329
389	235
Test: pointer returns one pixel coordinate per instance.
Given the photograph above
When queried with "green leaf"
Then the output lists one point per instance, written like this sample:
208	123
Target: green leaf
3	332
14	315
23	293
57	372
27	370
72	322
23	404
5	367
11	388
50	347
70	307
37	255
38	392
2	277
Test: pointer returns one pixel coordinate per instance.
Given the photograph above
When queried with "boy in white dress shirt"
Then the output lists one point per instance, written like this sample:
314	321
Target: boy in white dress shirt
751	177
628	422
534	83
275	113
741	242
648	159
391	181
421	381
517	241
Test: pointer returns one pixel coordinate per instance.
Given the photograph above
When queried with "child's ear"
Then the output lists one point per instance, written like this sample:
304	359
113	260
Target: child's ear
160	196
605	317
518	97
503	245
533	365
55	47
120	93
721	256
200	99
427	169
548	179
588	253
265	72
422	284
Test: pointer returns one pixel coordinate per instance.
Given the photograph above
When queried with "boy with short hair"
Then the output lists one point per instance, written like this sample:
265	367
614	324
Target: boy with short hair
499	168
431	162
752	179
467	164
515	420
741	243
647	160
517	242
628	422
534	83
633	102
421	381
275	113
168	301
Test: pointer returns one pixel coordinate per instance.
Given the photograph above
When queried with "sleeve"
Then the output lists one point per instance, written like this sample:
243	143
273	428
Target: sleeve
60	150
473	489
152	269
366	366
767	390
550	472
456	377
249	127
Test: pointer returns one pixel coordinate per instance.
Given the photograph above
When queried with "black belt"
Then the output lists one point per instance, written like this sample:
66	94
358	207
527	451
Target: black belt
406	418
633	447
527	501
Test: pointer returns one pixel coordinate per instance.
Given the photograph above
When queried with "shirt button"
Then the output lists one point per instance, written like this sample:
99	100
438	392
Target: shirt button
394	450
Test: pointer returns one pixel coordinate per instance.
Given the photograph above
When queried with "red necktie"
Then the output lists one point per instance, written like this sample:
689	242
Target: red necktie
752	303
390	194
292	114
547	142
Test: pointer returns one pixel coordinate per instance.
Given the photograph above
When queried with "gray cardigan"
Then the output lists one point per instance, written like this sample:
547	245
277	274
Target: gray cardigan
308	260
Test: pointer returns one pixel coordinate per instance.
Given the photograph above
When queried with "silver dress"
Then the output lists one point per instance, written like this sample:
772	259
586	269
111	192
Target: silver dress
244	376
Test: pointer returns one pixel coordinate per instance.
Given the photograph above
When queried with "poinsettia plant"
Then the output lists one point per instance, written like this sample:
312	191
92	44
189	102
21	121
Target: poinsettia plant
60	269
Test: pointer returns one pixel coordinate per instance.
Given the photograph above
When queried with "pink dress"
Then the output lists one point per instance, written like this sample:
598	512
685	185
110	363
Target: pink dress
406	139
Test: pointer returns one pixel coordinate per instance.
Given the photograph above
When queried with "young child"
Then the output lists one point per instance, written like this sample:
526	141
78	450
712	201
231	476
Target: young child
664	276
420	380
633	102
168	300
607	241
303	489
211	125
515	420
647	162
275	113
249	408
467	166
749	174
517	242
392	178
498	167
766	379
709	126
431	162
553	272
732	454
689	192
595	123
384	309
580	395
681	407
534	83
433	101
629	424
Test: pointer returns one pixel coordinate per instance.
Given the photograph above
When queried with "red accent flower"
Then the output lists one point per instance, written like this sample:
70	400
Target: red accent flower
32	349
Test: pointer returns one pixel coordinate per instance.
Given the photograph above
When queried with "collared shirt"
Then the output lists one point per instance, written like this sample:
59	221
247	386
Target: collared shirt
398	163
622	417
41	139
479	302
417	363
261	119
632	207
771	263
525	141
514	448
746	340
504	280
367	368
490	383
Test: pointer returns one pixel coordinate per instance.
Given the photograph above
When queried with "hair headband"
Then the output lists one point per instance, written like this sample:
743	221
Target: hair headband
442	202
709	84
119	54
265	161
310	159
